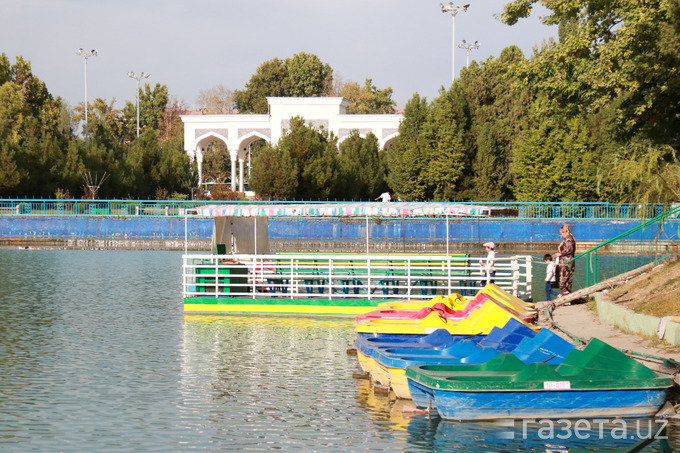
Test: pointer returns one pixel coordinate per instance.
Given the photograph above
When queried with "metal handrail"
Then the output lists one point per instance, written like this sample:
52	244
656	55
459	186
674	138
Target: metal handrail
176	208
591	253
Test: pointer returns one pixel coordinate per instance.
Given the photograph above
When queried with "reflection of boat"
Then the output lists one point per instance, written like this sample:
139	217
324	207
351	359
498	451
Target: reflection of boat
382	407
547	436
599	381
514	338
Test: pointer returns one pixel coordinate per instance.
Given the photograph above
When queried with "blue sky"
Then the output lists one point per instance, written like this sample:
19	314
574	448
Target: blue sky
195	45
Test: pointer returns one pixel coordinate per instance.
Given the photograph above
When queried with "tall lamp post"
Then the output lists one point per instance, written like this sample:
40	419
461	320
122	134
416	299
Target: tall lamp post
139	77
453	10
468	47
86	55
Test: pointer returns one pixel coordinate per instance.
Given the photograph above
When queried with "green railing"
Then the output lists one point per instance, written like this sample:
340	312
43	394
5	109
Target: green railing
171	208
644	244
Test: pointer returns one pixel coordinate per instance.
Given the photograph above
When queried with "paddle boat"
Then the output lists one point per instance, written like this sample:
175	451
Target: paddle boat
480	319
515	338
599	381
454	301
453	307
440	343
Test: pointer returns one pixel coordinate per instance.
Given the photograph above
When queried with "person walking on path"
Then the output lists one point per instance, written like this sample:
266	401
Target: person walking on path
565	252
489	265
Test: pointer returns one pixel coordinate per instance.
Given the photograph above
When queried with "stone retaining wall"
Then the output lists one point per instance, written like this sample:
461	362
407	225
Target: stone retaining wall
629	321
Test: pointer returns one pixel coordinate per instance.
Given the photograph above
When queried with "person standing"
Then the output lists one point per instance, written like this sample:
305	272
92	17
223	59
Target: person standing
489	265
385	197
550	276
565	252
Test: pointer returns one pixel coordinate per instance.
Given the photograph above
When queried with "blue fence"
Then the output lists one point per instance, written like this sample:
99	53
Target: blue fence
170	208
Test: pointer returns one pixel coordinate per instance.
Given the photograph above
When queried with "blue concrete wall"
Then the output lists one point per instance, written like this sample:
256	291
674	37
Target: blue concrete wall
123	227
461	230
334	229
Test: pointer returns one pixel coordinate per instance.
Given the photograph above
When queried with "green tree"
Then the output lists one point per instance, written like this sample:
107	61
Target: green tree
645	173
302	75
362	167
489	167
14	112
556	159
367	99
315	155
152	104
308	76
406	158
274	174
498	104
142	174
5	69
10	176
445	144
270	79
217	162
618	51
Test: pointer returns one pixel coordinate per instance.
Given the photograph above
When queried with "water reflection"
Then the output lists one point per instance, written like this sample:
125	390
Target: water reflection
430	433
282	383
96	354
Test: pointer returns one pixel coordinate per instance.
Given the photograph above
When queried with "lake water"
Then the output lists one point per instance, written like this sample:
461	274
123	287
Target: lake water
97	355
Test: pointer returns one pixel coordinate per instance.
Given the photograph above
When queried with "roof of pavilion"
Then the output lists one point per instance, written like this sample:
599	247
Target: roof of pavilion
360	209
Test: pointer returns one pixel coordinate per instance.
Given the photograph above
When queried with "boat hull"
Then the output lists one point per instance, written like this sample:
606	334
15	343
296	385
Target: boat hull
457	405
280	306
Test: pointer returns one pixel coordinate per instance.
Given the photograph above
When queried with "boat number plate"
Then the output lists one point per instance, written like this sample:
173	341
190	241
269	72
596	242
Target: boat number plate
556	385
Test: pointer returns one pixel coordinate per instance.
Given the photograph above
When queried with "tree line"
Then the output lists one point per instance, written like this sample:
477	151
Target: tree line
593	115
42	155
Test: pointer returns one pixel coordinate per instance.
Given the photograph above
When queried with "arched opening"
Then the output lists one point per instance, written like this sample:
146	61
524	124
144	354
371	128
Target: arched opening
214	163
387	142
249	147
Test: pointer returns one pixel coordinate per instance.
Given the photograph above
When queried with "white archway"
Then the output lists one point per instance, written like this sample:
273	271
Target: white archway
240	130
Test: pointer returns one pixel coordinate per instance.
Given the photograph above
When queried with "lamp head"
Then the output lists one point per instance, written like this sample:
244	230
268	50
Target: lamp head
79	51
465	7
144	76
131	74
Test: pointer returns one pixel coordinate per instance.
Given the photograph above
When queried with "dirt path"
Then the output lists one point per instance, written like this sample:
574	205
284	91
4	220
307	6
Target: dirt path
583	322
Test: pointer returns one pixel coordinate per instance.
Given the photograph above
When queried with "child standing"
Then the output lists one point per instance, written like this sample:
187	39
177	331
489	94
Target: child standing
489	265
550	276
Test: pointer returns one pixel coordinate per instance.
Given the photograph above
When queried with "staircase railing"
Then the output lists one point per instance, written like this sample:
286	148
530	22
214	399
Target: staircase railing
634	248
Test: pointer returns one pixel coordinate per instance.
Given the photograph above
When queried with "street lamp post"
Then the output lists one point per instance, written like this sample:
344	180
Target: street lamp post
468	47
453	10
86	55
138	78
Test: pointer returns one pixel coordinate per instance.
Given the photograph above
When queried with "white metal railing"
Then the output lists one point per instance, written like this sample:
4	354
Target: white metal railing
340	276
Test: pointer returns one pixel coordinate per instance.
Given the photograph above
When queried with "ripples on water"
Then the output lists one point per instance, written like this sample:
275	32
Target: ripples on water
97	355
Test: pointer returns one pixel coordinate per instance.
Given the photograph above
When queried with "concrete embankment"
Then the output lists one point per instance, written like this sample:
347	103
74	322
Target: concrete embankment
638	323
309	235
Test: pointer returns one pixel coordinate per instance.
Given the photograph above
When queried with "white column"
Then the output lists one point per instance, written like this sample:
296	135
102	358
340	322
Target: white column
233	153
199	163
240	175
